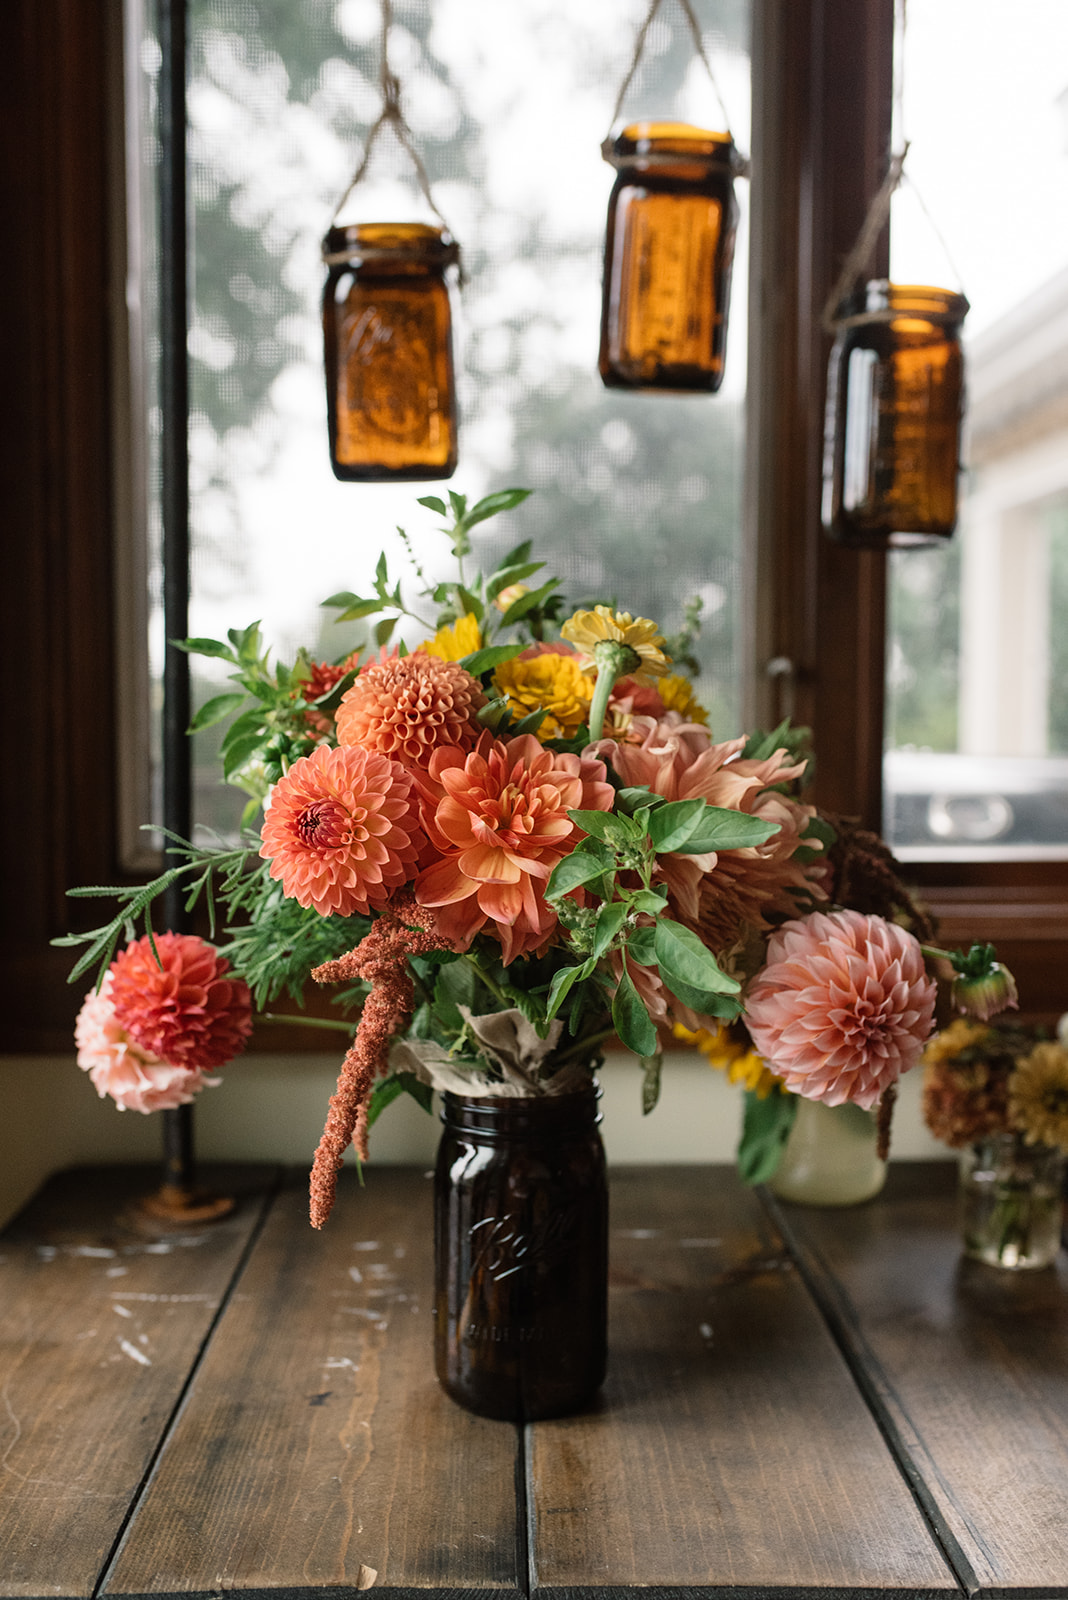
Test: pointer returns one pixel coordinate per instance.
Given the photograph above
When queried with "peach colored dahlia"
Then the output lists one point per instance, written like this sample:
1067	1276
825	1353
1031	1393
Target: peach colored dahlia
720	893
342	830
497	818
184	1007
405	707
842	1008
135	1079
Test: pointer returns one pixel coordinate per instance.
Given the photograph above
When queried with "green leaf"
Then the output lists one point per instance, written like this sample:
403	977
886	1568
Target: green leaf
709	1004
454	987
671	824
720	829
528	602
458	502
631	1020
528	724
572	872
649	901
343	598
563	982
214	710
651	1066
432	503
381	575
480	661
765	1130
248	723
383	631
601	824
471	602
504	577
520	554
206	647
360	608
641	947
241	751
502	500
760	746
633	797
680	954
610	920
392	1088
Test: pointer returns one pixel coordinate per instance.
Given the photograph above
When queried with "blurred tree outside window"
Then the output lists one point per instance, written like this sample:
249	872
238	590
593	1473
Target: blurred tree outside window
638	496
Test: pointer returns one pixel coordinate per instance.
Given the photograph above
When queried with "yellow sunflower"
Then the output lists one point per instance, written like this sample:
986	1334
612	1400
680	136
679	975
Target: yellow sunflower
599	633
1038	1096
554	683
452	644
741	1064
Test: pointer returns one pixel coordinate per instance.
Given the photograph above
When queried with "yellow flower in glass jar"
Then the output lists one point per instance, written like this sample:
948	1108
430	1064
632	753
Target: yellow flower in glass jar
452	644
1038	1096
547	678
629	646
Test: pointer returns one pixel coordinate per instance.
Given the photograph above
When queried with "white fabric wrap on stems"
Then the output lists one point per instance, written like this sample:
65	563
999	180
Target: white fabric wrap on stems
510	1042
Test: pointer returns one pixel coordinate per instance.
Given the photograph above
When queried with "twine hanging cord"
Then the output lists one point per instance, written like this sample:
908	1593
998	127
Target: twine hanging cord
742	166
392	115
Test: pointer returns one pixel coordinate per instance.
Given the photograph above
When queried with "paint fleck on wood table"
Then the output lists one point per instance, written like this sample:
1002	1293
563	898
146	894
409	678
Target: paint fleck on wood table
807	1403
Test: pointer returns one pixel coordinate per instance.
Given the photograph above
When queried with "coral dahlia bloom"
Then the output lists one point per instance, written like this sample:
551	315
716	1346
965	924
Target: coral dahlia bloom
842	1008
497	818
183	1007
406	706
135	1079
342	831
322	677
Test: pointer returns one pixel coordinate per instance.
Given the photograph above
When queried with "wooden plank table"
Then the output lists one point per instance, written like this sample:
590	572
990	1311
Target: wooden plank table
800	1403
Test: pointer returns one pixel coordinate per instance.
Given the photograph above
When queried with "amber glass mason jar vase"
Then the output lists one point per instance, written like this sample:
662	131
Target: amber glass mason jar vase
387	330
520	1254
895	396
669	248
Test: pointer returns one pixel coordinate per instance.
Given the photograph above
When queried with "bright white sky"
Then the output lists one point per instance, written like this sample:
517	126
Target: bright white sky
989	149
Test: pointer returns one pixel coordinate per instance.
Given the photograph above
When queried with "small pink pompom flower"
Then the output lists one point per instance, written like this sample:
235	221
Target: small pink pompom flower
135	1079
342	830
178	1001
842	1008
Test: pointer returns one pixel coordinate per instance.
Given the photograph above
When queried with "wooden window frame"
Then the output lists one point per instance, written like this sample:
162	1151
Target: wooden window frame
821	133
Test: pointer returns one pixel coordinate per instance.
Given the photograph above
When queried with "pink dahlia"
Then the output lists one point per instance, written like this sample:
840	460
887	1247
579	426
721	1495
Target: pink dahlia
184	1008
134	1078
842	1008
406	707
497	818
342	830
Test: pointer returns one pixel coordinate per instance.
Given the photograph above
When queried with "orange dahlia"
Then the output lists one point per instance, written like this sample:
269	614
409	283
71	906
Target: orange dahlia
135	1079
406	706
842	1008
322	677
497	817
342	830
174	997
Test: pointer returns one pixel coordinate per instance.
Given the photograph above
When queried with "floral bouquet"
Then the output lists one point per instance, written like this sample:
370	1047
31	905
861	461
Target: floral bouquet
506	845
999	1094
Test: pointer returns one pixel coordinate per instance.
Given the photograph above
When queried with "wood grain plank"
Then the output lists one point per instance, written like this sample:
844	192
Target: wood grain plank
731	1449
316	1447
99	1326
970	1362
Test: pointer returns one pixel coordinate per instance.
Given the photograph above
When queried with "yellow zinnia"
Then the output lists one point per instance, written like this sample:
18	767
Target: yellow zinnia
677	695
452	644
553	682
741	1065
591	631
1038	1096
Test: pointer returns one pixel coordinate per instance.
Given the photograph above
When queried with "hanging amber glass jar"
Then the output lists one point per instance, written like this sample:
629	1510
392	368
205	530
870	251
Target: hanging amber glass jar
387	326
895	395
669	247
521	1254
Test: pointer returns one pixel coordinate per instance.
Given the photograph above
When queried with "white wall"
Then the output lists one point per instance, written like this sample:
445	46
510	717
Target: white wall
271	1108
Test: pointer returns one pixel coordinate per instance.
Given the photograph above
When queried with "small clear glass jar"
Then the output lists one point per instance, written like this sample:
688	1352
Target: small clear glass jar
387	330
1011	1205
669	249
521	1254
895	396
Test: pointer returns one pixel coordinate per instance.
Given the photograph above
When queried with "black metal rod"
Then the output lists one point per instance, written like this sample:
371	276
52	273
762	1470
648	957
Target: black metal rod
174	475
